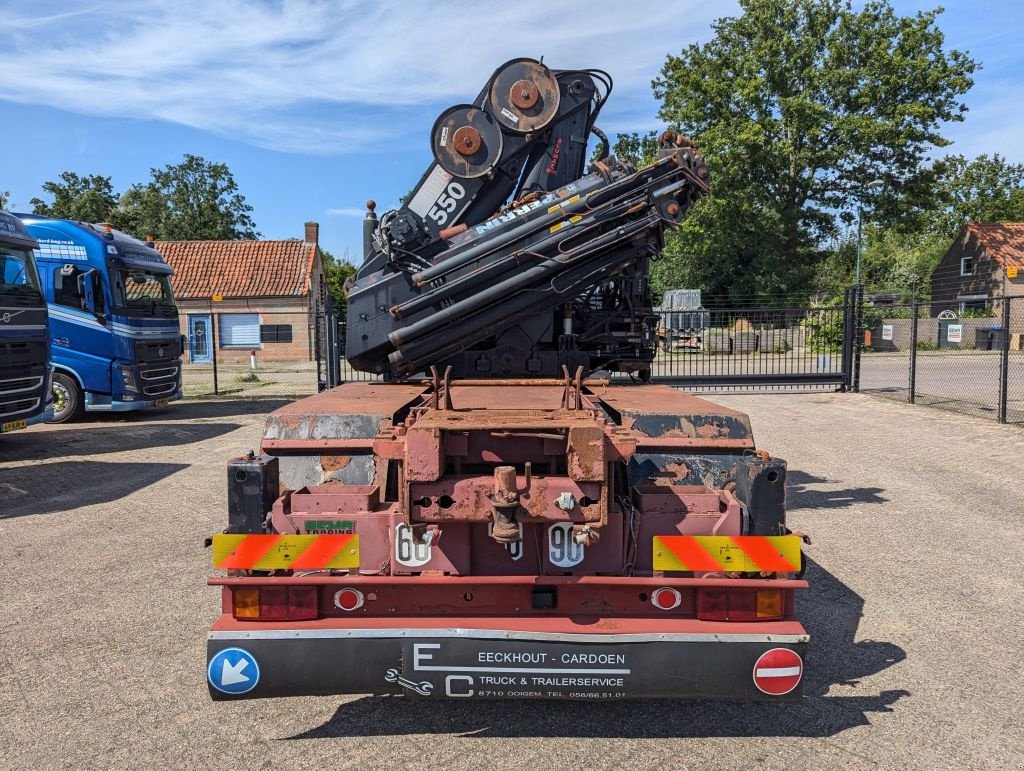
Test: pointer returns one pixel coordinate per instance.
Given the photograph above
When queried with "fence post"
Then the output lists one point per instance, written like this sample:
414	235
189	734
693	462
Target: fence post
913	352
858	326
1004	361
847	355
213	345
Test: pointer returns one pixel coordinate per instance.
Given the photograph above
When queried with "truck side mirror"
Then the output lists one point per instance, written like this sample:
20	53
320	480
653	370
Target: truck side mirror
90	288
98	300
84	290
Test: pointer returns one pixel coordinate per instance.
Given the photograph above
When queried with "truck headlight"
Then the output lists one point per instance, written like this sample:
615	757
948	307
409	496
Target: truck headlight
128	378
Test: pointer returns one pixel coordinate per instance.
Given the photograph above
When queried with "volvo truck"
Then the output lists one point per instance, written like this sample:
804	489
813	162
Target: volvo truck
113	324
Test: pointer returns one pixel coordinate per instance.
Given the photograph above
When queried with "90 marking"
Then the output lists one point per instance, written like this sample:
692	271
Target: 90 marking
563	551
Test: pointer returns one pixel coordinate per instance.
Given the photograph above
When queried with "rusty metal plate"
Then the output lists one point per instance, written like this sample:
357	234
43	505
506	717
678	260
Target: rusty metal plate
466	141
524	96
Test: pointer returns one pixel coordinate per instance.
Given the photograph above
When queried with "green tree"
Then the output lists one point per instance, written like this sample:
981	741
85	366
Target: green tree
797	105
5	199
336	273
142	211
638	149
902	256
86	198
192	200
986	189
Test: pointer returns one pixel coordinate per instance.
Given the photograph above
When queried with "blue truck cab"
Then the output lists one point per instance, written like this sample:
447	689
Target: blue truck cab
114	330
24	335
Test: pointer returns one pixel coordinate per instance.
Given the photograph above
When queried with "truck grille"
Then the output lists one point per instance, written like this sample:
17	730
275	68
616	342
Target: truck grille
160	389
13	409
22	359
159	374
20	385
166	351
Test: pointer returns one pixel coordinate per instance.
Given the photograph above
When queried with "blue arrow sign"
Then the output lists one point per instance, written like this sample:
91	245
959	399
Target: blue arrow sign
233	671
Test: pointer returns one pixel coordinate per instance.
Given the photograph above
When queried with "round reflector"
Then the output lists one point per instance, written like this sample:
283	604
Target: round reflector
778	671
348	599
666	598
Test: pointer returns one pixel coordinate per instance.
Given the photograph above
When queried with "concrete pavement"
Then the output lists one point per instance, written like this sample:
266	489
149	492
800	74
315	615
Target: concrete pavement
914	609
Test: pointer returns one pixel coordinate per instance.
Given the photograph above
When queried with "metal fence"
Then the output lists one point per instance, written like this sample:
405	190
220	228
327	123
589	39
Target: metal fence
251	352
971	364
747	349
805	348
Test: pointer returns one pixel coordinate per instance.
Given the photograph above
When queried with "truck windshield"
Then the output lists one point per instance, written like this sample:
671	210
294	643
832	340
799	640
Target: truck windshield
18	274
138	289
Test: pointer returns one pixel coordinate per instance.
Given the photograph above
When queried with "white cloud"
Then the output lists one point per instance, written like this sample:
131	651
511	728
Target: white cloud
323	76
346	211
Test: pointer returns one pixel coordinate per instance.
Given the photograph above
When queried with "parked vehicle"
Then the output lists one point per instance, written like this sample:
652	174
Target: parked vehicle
24	337
486	522
113	323
683	320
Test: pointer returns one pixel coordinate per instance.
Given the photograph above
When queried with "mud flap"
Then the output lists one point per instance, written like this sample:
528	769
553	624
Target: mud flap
458	664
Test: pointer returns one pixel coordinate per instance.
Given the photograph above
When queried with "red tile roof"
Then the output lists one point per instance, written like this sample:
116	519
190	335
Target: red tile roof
1003	242
239	268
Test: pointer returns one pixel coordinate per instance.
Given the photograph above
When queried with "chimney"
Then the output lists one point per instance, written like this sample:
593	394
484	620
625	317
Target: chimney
312	233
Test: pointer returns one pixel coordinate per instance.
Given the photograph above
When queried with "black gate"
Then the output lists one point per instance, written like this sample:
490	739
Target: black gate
761	348
810	347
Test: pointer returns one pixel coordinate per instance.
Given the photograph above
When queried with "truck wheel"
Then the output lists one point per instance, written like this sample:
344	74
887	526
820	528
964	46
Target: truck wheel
67	399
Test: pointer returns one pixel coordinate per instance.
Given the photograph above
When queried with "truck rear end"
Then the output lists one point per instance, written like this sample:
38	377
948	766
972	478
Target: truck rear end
551	538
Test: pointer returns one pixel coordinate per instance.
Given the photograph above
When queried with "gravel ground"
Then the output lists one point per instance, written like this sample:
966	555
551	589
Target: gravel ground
914	612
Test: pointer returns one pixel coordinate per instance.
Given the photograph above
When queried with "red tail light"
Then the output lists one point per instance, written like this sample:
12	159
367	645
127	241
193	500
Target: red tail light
303	602
740	604
273	603
276	603
713	604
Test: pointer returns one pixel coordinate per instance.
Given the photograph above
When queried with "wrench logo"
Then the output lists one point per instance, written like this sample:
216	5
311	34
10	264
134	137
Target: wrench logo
423	689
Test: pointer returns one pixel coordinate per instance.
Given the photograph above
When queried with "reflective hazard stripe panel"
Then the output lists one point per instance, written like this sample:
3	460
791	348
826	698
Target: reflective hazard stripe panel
279	552
735	553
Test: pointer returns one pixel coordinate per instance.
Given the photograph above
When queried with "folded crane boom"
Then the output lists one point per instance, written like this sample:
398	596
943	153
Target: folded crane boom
558	278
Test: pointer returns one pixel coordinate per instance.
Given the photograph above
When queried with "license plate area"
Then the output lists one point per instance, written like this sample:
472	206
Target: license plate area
162	402
14	425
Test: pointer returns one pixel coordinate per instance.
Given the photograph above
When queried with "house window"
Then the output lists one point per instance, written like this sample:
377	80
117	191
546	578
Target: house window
239	330
966	266
973	303
276	333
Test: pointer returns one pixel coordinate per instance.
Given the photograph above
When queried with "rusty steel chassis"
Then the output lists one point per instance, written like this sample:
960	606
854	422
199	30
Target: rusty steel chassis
559	425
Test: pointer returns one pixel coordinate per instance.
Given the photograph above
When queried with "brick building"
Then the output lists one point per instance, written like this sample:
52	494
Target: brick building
239	298
984	263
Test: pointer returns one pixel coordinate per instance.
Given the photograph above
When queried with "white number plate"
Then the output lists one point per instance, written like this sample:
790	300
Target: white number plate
563	551
407	551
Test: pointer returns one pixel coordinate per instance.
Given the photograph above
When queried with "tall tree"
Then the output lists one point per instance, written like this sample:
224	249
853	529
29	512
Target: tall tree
86	198
336	273
192	200
5	199
798	104
986	189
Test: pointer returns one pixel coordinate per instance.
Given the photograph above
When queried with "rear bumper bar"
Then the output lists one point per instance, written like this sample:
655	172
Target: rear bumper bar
462	662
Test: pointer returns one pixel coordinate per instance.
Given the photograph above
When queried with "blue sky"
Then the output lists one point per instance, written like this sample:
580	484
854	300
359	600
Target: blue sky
317	105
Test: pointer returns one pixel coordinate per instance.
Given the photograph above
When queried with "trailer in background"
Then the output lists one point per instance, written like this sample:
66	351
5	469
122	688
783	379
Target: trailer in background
683	320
